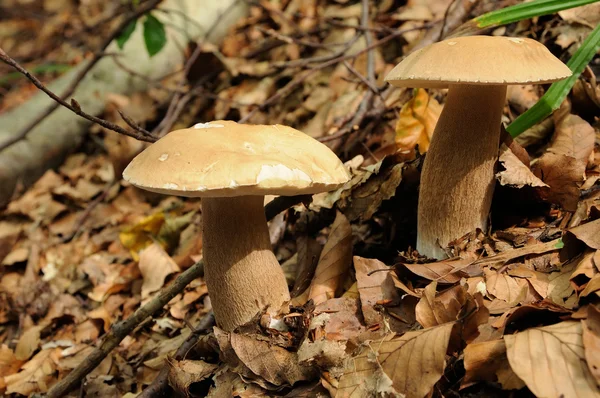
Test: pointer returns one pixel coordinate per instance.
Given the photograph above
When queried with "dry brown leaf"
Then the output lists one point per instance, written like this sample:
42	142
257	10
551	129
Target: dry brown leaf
573	137
560	290
502	286
363	377
483	360
334	262
276	365
551	361
564	175
182	374
515	173
155	265
538	280
337	319
435	309
588	233
377	288
593	286
416	360
28	343
591	341
522	97
35	376
416	122
445	271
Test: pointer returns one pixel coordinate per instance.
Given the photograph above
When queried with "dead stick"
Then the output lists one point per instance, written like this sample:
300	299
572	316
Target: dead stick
120	330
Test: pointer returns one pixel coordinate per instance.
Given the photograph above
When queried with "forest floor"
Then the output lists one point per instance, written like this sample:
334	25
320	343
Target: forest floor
515	308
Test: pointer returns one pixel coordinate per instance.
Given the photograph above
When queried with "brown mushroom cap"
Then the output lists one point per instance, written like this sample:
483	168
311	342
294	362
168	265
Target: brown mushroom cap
478	60
225	159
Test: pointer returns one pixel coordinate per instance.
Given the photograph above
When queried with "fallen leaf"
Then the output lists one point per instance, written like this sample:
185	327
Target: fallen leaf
28	343
483	360
377	288
416	122
276	365
502	286
591	341
416	360
573	137
551	361
445	271
564	175
35	376
435	309
334	261
515	173
155	265
182	374
588	233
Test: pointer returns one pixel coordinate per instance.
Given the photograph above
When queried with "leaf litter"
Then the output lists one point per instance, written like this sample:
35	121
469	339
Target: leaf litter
516	307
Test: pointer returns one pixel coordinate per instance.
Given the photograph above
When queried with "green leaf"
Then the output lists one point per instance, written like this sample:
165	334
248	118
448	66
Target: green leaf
519	12
555	95
155	36
126	34
560	244
45	68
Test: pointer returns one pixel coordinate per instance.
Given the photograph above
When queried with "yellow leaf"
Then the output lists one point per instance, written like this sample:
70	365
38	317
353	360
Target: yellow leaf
140	235
417	121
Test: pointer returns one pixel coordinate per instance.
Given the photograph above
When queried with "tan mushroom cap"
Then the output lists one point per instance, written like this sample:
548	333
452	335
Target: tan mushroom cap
224	159
478	60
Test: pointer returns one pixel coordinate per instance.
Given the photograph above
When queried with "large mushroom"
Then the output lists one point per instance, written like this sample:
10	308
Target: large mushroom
457	180
232	166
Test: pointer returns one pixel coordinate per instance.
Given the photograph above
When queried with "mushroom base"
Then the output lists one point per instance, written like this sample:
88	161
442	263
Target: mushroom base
241	272
457	181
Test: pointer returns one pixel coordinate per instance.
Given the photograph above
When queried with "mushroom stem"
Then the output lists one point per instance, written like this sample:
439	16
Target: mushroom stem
457	181
242	274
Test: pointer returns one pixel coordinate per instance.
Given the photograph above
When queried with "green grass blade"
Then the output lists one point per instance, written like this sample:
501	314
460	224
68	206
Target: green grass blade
559	90
515	13
46	68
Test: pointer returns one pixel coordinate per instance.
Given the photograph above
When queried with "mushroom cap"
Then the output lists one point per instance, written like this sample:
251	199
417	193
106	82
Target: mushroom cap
478	60
225	159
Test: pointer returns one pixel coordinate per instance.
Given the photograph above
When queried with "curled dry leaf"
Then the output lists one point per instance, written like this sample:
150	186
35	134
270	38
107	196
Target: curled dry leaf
182	374
413	362
502	286
591	341
435	309
155	265
551	361
334	262
276	365
588	233
377	288
573	137
445	271
35	375
483	360
515	173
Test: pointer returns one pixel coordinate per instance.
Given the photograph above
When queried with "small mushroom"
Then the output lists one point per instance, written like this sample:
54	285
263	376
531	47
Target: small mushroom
231	167
457	181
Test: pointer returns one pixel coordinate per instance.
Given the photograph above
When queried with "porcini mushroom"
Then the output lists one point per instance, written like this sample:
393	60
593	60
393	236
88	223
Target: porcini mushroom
457	180
231	167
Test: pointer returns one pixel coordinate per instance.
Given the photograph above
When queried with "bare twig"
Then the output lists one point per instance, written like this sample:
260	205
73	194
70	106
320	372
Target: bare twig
140	134
120	330
142	9
161	382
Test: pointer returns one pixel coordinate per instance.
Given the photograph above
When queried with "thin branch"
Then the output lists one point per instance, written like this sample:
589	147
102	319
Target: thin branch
141	10
140	133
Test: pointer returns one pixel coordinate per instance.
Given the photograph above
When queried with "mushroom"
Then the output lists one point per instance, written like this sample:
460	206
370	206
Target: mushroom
457	180
231	167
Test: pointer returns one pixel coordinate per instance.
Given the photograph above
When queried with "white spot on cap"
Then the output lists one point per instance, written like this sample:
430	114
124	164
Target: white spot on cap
163	157
516	40
170	185
201	188
249	147
233	184
451	43
206	125
281	172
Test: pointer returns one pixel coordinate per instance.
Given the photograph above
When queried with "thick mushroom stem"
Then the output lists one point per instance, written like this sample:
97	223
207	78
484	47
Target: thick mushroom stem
457	181
242	274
